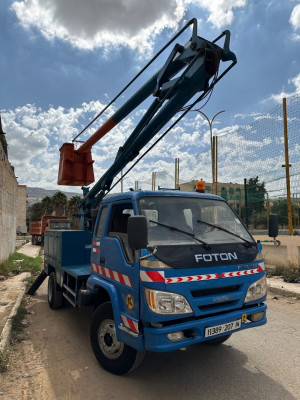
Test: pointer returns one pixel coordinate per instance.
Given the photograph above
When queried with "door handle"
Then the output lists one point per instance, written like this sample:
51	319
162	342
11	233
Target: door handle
102	260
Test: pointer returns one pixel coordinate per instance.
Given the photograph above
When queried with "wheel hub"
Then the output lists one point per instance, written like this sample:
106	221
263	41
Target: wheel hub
108	342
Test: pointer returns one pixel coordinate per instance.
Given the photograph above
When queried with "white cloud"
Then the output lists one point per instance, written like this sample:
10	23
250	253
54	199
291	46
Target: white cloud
295	17
135	24
220	11
101	23
279	96
295	22
35	136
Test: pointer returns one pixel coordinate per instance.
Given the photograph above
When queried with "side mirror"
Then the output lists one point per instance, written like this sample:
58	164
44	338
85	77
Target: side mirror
273	225
137	232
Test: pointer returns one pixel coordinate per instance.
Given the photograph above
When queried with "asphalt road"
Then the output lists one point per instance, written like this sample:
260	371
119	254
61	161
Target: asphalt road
261	363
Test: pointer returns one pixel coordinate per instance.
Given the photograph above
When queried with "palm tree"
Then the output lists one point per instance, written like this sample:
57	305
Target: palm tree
72	210
59	201
47	206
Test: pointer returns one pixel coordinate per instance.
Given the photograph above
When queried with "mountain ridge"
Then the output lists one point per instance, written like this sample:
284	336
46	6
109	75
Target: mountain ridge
36	194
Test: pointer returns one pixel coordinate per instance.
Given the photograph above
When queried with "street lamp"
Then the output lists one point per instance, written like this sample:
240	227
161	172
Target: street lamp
213	160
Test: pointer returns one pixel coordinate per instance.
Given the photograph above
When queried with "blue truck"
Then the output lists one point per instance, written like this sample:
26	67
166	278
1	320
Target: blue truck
163	269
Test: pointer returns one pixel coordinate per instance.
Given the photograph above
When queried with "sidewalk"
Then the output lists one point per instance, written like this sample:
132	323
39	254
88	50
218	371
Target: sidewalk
12	291
277	285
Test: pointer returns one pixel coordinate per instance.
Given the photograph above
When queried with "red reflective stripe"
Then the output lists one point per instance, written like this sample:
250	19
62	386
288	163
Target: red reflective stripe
131	325
155	276
121	278
111	274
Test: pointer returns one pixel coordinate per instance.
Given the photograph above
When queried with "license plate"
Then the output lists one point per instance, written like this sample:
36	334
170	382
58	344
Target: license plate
218	329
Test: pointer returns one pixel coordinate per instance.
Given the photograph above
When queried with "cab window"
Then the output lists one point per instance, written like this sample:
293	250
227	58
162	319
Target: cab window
101	224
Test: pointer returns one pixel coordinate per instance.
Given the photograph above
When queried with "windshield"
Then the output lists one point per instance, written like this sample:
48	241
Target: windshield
56	225
203	220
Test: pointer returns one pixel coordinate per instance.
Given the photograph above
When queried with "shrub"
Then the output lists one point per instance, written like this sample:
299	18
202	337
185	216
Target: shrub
18	262
289	273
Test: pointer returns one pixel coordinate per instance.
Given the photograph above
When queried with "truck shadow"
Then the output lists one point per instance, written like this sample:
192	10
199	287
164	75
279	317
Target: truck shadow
205	372
200	372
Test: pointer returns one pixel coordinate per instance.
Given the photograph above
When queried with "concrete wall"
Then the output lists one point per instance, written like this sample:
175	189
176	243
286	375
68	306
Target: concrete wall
287	252
21	209
8	206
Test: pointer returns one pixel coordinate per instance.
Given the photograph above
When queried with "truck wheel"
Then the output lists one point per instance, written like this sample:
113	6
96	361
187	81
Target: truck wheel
55	297
116	357
218	340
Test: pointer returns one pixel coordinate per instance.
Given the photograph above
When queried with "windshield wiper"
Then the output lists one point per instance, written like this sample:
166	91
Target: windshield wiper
173	228
250	244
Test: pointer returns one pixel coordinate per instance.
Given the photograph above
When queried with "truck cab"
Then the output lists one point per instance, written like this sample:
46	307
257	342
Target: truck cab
176	268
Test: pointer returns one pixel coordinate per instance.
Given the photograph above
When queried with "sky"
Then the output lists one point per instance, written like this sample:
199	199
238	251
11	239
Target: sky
62	61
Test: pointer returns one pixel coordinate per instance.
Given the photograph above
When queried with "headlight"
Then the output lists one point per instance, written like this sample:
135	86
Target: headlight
167	302
257	290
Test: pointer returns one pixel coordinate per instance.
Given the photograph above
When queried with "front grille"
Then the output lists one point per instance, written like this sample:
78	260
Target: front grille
208	307
215	291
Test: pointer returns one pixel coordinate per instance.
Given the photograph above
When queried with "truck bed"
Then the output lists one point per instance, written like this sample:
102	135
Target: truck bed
81	270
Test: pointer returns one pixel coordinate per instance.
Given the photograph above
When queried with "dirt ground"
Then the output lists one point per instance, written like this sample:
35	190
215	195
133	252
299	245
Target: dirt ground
55	361
11	287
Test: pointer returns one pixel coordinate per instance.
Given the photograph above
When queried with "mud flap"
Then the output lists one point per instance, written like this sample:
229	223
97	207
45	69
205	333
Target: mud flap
37	283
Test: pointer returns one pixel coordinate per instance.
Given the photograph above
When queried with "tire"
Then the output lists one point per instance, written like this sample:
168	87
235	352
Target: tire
218	340
115	357
55	296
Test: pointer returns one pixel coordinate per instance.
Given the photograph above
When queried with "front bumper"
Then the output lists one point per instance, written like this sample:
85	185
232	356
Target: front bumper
156	340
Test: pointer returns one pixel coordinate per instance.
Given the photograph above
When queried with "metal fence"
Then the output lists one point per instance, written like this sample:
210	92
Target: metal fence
258	150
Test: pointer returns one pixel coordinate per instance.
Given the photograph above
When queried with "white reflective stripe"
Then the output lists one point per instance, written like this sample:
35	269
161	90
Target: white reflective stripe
129	323
116	276
152	276
193	278
206	277
262	265
127	280
144	277
106	272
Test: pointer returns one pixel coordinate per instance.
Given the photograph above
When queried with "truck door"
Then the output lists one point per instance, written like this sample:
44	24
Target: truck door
114	260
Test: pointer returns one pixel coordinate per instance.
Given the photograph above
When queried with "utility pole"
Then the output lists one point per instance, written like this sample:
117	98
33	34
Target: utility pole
153	180
246	203
215	162
287	168
176	173
212	149
121	181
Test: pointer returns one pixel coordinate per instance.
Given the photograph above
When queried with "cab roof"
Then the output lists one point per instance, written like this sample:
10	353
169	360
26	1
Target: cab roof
136	194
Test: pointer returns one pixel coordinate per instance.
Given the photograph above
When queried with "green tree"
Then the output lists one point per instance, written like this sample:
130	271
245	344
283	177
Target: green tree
72	209
256	193
47	206
279	207
36	212
59	201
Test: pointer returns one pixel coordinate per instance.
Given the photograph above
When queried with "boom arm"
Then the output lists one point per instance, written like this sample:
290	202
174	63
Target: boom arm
187	71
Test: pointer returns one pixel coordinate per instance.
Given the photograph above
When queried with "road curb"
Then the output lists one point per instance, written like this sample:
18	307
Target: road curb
6	331
282	292
278	286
